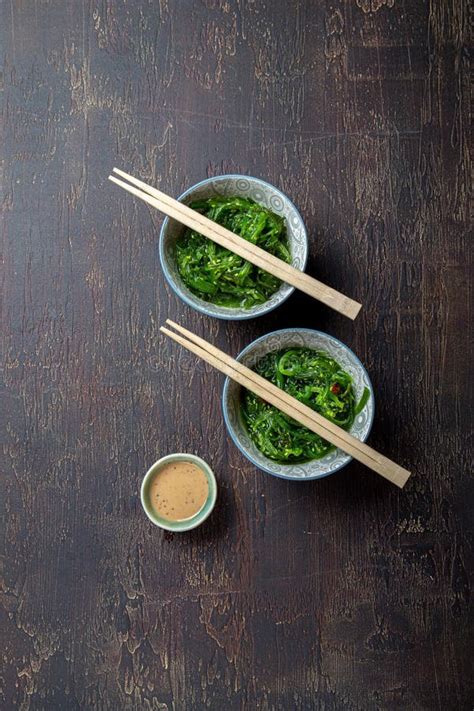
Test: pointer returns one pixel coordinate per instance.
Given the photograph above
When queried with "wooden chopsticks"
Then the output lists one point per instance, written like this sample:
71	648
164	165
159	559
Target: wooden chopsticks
224	237
288	404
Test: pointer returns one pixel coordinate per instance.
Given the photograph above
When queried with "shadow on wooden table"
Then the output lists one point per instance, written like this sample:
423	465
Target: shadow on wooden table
213	527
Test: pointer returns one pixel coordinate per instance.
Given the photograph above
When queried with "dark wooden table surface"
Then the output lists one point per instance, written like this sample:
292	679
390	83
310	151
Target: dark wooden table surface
340	594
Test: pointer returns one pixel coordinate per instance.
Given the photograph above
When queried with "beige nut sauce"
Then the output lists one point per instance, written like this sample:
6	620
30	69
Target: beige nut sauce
178	491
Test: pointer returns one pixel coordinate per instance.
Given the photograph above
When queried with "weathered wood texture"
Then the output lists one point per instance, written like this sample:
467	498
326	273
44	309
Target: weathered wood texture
339	594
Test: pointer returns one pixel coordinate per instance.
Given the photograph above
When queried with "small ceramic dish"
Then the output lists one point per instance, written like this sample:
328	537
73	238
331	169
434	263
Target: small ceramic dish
306	338
240	186
189	523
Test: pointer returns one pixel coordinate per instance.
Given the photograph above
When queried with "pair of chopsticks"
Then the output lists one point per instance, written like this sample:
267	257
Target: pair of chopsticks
287	404
224	237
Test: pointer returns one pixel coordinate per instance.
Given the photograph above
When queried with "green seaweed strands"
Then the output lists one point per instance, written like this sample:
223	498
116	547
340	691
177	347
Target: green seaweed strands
221	277
315	379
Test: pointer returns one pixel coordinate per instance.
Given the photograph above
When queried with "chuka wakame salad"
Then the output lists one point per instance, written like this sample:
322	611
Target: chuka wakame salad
219	276
315	379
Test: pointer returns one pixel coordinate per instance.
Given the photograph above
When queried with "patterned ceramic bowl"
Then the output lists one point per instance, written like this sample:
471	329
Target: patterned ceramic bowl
286	338
241	186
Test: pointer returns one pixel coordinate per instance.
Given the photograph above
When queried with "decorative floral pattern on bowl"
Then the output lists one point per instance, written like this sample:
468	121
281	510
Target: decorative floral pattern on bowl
305	338
241	186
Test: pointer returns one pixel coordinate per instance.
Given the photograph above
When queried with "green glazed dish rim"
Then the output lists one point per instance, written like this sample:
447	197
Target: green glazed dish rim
189	523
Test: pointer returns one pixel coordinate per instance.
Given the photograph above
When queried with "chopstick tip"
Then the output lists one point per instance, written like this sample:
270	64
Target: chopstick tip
403	479
353	309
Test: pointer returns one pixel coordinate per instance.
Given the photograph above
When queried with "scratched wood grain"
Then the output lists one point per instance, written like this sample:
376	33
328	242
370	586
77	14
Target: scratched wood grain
338	594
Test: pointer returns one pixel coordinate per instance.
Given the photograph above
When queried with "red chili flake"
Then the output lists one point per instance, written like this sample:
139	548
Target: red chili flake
335	388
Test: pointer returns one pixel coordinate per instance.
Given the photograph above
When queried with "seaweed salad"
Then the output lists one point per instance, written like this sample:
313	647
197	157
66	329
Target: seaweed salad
219	276
315	379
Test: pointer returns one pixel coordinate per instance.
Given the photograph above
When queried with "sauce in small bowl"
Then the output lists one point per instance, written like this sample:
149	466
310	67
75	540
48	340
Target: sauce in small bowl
178	492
